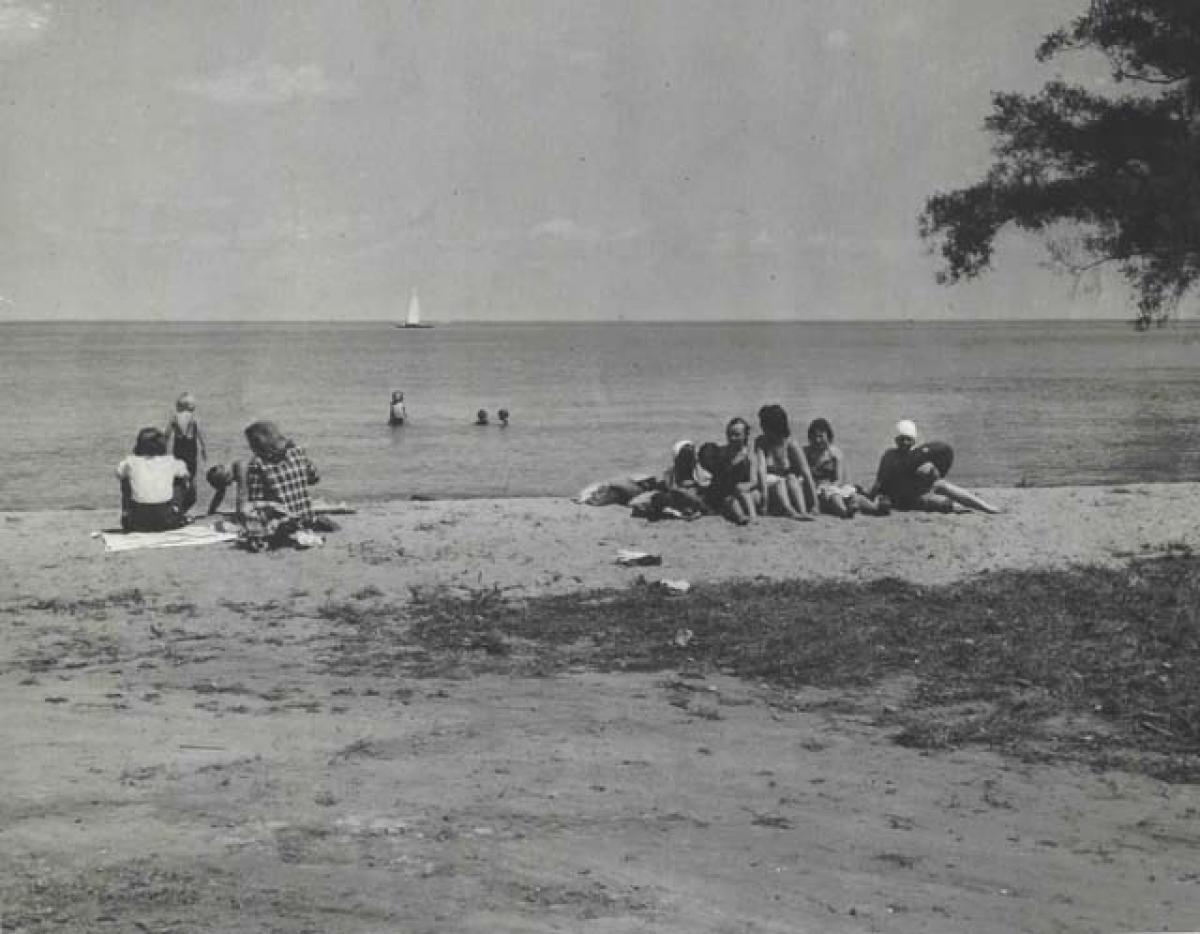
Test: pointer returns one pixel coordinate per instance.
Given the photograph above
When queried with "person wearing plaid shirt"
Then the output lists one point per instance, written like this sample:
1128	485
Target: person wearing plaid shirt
280	472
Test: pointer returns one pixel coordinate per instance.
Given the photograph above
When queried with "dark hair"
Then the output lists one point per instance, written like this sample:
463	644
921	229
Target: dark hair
689	451
216	477
773	421
151	442
503	413
267	441
819	424
708	452
481	416
737	420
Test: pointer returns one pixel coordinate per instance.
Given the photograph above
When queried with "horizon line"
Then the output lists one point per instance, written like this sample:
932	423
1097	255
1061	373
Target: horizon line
469	321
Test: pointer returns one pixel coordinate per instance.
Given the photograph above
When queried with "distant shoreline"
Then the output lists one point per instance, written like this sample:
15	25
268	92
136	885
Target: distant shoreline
591	322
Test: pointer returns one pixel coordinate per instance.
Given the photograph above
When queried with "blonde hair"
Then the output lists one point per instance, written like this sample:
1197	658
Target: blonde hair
185	401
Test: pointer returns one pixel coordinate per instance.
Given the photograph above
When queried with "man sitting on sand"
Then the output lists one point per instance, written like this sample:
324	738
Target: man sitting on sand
912	477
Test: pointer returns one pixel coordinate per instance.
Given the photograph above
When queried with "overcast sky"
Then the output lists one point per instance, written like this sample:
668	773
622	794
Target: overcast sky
515	159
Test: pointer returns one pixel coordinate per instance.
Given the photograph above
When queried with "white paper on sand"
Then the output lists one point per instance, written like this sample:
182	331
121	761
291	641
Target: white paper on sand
628	557
176	538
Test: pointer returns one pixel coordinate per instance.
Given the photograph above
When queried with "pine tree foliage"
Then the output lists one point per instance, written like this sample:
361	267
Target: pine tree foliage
1121	169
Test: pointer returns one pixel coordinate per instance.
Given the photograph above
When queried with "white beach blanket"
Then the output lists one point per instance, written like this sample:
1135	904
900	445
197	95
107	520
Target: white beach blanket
176	538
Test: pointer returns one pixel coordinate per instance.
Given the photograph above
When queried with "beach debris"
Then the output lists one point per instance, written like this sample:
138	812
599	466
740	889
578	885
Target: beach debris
326	508
675	586
683	638
627	557
303	538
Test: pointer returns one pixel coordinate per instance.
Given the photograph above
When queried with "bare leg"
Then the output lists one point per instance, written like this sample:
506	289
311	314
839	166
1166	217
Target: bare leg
870	507
126	503
734	512
794	497
964	497
744	504
780	502
835	504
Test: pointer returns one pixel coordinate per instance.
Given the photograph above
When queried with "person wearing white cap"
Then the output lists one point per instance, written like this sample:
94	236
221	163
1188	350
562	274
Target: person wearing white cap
913	476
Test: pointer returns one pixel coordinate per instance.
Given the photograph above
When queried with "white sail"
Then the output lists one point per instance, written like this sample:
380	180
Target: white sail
414	311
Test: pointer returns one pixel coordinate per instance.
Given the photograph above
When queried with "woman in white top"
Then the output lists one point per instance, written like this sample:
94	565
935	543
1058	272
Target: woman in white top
150	483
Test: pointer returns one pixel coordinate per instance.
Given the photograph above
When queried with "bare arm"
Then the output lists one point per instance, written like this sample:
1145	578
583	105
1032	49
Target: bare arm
805	473
843	475
239	480
755	479
200	441
879	475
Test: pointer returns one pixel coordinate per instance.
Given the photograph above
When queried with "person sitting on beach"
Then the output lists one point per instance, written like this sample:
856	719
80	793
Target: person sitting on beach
220	477
912	476
503	416
722	495
783	467
741	463
278	477
481	417
836	495
397	414
152	485
684	482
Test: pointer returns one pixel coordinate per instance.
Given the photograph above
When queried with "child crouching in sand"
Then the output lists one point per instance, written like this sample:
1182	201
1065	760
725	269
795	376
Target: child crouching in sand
222	476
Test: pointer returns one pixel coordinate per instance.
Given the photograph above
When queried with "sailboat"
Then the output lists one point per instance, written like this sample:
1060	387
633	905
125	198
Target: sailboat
413	318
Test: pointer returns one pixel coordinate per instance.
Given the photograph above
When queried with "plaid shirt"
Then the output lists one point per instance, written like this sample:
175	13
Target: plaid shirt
285	481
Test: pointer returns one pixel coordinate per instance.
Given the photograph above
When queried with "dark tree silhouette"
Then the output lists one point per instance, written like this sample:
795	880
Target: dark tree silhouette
1121	171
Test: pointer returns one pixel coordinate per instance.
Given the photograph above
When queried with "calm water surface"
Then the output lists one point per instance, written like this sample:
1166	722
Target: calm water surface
1040	403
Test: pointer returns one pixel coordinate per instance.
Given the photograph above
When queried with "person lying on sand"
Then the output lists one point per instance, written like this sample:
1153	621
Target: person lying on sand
912	476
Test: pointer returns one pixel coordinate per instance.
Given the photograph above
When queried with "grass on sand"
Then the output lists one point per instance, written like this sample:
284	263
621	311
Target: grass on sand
1095	665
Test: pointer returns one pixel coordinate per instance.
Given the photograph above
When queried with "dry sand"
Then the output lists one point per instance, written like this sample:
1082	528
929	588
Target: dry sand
179	755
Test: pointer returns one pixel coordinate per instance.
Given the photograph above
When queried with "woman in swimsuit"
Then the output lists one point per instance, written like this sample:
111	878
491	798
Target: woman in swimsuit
783	466
836	495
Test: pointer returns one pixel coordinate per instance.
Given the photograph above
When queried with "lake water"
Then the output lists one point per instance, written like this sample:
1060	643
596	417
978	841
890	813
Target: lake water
1037	403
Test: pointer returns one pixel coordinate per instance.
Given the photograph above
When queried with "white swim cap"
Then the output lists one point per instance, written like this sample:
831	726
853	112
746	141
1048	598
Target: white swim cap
906	429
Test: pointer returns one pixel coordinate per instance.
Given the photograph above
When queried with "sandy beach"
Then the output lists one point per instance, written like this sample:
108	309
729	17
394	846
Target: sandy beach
182	755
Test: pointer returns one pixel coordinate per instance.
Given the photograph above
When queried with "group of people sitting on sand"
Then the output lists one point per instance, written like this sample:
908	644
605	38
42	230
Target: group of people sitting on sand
158	480
775	475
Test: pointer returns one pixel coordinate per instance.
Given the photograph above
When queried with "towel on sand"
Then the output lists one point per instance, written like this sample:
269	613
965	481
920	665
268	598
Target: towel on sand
176	538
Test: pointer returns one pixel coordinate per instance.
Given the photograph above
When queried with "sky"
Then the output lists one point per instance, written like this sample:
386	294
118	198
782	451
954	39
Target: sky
192	160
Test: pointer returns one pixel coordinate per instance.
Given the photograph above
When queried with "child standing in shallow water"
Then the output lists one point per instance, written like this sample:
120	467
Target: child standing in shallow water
184	438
